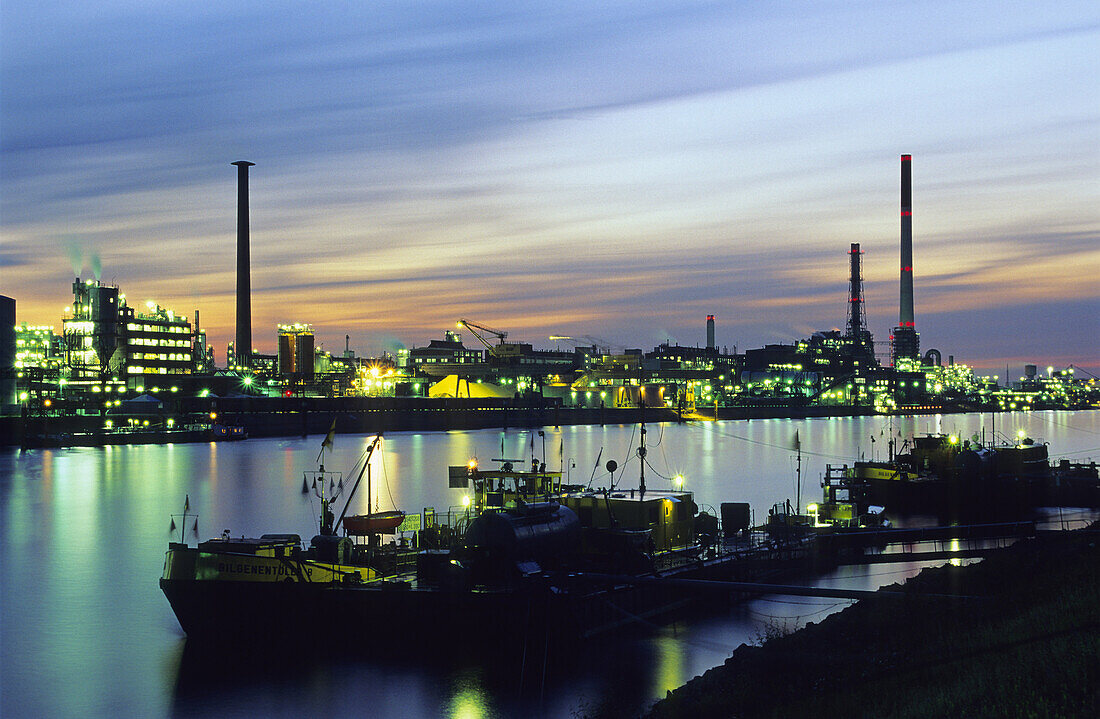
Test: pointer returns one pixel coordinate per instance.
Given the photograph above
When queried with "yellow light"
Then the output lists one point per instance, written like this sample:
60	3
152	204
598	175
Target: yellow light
811	507
47	403
472	464
465	500
678	480
213	415
953	439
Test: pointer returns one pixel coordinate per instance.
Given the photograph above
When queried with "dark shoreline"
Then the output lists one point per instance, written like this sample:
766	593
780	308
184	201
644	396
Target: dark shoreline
1025	642
290	417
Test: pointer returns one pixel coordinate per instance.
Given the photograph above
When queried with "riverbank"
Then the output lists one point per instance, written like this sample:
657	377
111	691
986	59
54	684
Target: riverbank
301	416
1021	640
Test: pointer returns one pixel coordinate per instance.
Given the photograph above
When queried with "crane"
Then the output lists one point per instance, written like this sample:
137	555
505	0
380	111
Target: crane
500	349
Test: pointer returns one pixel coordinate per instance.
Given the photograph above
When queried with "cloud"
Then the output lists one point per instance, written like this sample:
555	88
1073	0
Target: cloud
611	167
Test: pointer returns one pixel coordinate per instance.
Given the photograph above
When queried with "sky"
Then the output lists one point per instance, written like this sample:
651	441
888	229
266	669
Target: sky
616	170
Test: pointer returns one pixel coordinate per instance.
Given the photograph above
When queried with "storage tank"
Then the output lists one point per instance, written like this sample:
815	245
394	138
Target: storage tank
974	464
546	532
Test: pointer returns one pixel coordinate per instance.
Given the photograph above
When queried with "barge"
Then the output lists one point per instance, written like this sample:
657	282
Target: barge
529	557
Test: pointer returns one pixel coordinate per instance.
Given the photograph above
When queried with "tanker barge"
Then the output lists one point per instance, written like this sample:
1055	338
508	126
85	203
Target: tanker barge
961	480
528	558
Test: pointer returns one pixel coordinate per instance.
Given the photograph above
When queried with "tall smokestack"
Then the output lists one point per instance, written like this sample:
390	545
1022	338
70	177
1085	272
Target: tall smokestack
857	324
906	341
906	318
243	344
710	332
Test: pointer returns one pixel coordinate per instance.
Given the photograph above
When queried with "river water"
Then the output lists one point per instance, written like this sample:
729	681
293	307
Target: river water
86	632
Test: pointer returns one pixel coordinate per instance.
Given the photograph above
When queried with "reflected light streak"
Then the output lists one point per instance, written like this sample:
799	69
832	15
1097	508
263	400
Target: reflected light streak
470	700
671	670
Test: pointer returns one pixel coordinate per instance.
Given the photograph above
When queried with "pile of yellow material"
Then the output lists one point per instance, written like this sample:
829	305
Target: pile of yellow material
452	386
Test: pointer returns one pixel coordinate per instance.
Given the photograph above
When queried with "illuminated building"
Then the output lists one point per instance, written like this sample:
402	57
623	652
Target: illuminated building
92	332
38	347
156	342
107	340
447	356
296	352
700	375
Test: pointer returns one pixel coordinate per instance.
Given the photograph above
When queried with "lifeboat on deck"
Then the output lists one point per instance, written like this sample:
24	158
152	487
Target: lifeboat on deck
361	525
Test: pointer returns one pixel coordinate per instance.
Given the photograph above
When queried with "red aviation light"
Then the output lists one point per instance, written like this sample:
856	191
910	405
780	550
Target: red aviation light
906	268
906	213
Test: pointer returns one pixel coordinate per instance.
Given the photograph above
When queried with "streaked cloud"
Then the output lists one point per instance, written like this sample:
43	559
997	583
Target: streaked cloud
618	169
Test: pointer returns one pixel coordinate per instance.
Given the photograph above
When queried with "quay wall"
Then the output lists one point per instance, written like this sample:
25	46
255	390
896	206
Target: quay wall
299	416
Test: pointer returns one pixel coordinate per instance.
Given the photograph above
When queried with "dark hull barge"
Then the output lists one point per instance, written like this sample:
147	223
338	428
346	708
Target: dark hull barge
493	598
526	557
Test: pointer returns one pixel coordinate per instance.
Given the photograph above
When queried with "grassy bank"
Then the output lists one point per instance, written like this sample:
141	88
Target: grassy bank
1021	640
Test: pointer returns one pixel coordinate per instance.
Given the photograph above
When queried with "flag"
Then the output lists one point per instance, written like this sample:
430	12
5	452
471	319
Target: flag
305	487
331	436
173	527
797	445
195	529
186	503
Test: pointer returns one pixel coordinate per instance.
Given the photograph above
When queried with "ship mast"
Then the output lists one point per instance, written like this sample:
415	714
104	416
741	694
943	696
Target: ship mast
641	456
366	470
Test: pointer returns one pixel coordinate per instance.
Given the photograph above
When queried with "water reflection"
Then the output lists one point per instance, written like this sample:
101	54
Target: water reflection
86	631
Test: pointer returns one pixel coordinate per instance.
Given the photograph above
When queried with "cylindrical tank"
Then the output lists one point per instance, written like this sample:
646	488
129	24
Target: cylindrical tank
545	533
1028	460
974	464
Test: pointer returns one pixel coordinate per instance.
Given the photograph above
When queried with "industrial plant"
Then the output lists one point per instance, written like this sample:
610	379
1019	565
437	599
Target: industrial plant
112	360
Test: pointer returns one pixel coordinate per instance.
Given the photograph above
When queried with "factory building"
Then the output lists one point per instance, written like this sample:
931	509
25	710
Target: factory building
446	357
296	352
106	340
156	342
38	347
8	394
